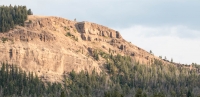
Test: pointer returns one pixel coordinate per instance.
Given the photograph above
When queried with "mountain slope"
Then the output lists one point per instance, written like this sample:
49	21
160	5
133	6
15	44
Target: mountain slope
53	46
88	60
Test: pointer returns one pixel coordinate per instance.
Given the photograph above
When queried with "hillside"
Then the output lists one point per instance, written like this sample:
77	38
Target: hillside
47	56
53	46
88	59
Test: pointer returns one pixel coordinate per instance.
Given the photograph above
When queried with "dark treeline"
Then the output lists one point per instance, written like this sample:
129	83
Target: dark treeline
11	16
15	82
121	77
156	80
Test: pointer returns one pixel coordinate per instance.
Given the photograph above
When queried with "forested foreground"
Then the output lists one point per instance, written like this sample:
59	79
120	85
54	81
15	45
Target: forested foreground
11	16
122	78
14	82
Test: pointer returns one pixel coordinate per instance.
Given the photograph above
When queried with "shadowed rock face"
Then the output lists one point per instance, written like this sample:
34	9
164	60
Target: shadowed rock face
53	46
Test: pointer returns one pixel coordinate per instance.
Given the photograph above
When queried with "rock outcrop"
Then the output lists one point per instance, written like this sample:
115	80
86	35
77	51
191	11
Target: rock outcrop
91	31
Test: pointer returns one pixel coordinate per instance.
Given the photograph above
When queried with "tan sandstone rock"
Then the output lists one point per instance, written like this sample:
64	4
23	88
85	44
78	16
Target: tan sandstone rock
44	47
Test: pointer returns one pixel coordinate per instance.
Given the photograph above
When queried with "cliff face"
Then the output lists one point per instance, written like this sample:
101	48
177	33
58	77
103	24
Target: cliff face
53	46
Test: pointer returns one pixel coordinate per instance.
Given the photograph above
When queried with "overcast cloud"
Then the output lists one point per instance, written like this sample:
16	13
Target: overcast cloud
166	41
167	27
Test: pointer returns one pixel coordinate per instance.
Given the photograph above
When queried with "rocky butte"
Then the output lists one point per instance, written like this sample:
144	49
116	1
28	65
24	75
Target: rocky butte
53	46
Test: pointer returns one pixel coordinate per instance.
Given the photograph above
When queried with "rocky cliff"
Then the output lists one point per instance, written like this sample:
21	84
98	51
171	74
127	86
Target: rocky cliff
53	46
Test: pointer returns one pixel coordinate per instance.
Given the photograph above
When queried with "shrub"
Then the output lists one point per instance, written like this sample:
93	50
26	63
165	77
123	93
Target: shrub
4	39
68	34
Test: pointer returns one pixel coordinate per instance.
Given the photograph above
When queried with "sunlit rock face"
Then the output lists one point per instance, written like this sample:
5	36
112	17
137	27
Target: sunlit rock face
51	47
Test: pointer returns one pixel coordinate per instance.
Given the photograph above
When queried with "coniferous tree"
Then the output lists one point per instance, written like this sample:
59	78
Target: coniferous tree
11	16
30	12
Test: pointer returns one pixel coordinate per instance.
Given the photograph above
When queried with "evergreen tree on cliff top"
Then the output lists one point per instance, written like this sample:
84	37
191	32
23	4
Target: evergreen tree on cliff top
11	16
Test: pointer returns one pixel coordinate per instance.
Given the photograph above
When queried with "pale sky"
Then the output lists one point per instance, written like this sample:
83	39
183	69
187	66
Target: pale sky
167	27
